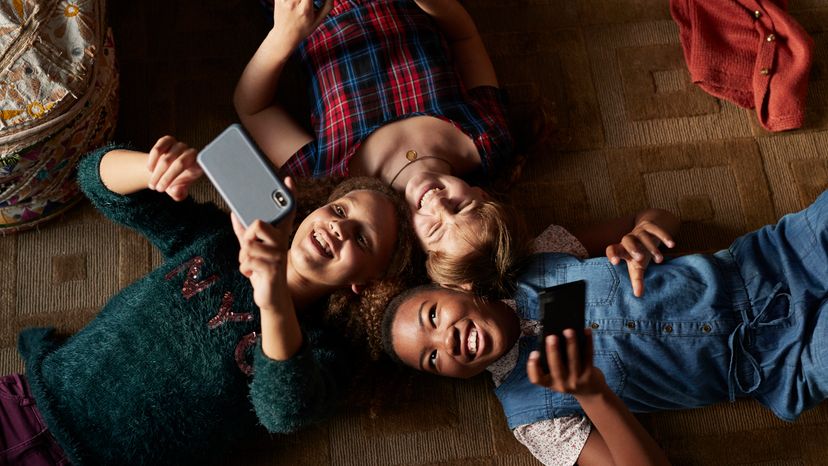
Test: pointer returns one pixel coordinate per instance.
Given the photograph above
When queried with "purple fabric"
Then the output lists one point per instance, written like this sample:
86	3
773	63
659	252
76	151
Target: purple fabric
24	438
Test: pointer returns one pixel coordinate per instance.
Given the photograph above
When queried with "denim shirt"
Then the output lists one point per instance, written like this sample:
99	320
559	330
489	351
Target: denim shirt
749	320
667	350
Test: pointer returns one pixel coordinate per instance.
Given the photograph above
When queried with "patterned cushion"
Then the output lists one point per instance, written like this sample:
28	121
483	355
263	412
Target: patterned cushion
58	100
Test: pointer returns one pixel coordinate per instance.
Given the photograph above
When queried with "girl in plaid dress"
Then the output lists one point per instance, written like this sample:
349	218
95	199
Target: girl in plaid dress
402	90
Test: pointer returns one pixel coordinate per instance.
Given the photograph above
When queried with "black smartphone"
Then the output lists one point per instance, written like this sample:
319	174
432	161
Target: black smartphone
562	307
245	178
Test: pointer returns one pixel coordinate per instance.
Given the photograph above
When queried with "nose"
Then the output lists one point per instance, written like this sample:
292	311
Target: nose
451	340
341	228
443	206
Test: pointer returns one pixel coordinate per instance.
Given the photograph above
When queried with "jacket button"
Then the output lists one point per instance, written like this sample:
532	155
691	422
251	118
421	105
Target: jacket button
757	14
771	37
594	325
764	71
630	325
668	328
706	328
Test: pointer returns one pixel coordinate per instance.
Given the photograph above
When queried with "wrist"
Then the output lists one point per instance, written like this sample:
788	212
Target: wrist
278	45
596	395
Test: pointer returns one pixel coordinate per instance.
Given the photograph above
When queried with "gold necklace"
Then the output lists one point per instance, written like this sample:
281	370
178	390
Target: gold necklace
412	157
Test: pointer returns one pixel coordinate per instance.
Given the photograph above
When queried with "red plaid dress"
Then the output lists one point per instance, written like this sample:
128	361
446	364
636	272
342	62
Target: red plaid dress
372	62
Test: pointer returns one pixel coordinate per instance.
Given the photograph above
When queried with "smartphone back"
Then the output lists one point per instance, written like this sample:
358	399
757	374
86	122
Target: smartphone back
245	178
562	306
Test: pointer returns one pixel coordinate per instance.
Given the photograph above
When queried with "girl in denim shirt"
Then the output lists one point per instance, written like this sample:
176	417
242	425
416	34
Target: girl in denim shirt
743	322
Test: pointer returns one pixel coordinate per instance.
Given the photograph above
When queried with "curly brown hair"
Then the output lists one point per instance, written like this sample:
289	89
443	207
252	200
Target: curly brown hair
359	317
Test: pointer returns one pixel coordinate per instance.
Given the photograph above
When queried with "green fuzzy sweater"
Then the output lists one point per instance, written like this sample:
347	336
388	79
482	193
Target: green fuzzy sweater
158	377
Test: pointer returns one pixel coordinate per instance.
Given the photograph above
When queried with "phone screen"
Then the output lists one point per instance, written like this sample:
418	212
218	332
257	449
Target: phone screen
562	307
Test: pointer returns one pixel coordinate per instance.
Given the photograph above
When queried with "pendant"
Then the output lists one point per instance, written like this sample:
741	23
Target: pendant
411	155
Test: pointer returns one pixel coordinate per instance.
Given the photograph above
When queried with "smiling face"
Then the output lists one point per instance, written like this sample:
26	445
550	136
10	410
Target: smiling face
347	241
442	212
449	333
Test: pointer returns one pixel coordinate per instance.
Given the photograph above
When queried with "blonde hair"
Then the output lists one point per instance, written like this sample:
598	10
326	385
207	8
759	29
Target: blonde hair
497	248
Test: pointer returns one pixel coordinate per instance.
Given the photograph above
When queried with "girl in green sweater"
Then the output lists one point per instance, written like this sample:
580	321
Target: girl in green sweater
226	334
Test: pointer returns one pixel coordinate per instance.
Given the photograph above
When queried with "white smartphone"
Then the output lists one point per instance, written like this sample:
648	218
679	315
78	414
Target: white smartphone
245	178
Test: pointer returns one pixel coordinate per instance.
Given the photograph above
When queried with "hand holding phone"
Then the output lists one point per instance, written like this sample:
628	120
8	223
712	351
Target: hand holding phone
562	307
245	178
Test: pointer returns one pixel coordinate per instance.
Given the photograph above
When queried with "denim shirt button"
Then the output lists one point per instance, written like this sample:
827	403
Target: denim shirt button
706	328
594	325
668	328
630	325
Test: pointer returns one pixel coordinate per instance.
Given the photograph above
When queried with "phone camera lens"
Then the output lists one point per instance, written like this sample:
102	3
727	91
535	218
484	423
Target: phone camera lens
279	198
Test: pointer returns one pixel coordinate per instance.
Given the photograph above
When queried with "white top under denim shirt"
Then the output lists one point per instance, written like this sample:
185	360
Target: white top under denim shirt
557	441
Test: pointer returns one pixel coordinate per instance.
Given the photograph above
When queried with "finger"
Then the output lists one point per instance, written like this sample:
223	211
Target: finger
534	370
161	146
636	271
262	232
183	162
262	250
650	243
633	247
557	370
572	352
616	253
589	349
238	228
177	192
269	234
164	162
661	234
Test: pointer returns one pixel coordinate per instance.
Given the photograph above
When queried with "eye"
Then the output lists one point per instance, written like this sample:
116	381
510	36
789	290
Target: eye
432	315
338	210
363	241
432	359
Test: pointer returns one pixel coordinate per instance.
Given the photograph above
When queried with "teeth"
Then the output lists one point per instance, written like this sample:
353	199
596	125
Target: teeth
428	195
472	342
321	242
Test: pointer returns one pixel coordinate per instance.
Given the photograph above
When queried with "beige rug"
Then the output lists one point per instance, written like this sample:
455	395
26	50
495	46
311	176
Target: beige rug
630	131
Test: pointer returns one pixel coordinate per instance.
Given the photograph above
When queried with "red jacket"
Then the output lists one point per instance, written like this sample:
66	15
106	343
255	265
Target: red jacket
750	52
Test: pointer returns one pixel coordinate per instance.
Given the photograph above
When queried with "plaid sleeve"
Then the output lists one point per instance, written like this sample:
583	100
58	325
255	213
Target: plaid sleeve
303	163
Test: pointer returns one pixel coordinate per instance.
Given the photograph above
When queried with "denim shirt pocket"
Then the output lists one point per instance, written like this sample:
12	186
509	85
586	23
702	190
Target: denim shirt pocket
601	280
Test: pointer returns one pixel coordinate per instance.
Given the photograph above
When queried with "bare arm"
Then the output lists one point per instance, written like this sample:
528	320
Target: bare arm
467	48
276	132
263	260
617	438
170	166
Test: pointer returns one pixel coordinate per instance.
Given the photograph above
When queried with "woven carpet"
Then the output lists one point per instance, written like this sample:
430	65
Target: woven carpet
624	129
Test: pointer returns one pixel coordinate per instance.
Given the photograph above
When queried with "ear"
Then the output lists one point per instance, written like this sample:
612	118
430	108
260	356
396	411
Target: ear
357	289
461	286
482	192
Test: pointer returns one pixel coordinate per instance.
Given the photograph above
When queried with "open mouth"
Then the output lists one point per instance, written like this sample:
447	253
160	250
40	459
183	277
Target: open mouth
471	343
320	242
427	194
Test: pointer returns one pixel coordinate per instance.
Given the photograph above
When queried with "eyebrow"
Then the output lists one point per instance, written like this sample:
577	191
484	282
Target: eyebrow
351	205
420	320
